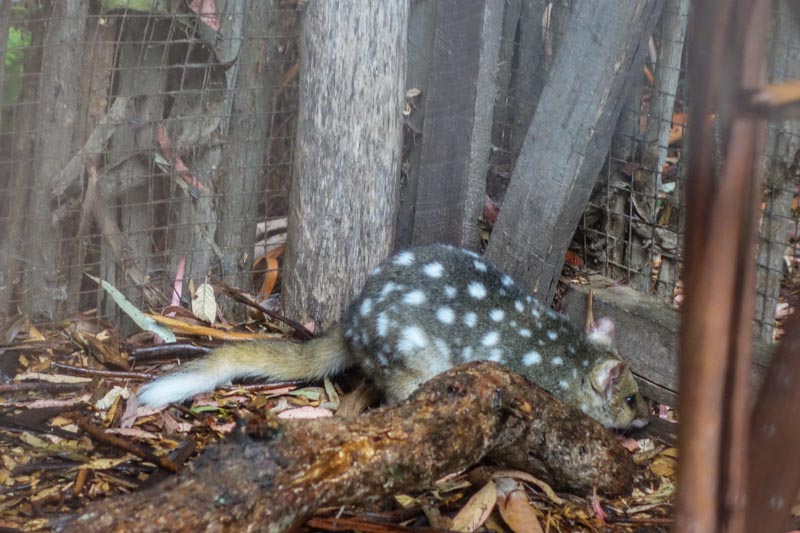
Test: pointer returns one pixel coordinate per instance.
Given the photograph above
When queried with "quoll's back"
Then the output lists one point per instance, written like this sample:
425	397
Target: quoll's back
428	309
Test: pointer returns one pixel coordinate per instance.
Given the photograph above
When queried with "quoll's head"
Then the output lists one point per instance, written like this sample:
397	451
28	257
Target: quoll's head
609	393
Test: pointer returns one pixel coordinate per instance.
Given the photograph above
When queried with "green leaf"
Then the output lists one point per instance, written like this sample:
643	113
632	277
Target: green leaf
144	322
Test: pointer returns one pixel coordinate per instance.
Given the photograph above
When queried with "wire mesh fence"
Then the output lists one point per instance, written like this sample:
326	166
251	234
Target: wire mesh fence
632	229
148	143
143	143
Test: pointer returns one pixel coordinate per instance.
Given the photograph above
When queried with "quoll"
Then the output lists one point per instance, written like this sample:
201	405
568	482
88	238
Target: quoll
422	312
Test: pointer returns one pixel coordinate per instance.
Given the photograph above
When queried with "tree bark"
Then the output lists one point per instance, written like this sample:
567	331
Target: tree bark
59	98
271	476
456	134
343	201
568	139
241	185
782	146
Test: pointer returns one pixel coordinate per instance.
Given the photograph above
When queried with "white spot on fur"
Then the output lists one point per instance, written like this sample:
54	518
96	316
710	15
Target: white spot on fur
466	353
477	290
506	280
450	291
388	289
470	319
557	361
532	358
445	315
443	348
519	306
382	325
382	360
404	259
584	408
502	292
366	307
497	314
574	373
375	271
434	270
413	339
479	265
525	332
552	314
415	298
496	355
585	363
563	385
552	335
490	339
513	323
535	312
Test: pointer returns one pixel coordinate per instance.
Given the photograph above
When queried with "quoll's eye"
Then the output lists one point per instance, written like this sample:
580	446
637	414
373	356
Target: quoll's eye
630	400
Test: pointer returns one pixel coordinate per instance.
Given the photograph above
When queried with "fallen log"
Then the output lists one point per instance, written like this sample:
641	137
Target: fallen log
272	475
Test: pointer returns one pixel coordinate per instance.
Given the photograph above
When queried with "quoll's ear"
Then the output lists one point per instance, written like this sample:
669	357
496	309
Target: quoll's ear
605	376
602	333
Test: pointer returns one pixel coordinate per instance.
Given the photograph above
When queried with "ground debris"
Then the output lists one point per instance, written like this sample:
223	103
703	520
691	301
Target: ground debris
62	448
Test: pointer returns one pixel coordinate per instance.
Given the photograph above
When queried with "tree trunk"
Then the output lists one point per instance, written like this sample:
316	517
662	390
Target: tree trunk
349	140
568	139
19	190
241	185
59	103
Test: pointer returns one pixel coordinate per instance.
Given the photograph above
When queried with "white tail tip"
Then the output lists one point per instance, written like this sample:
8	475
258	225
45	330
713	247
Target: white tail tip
175	388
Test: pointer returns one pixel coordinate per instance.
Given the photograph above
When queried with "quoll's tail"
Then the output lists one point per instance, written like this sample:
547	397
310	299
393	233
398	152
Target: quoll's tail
281	360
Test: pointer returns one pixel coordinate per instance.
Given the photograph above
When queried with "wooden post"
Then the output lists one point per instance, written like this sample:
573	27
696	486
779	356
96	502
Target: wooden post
719	273
458	122
569	138
349	133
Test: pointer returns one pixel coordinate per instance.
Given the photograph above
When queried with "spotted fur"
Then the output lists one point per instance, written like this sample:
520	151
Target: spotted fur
422	312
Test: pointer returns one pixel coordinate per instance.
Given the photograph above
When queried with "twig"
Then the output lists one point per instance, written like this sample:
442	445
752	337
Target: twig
94	144
359	524
290	75
304	332
45	386
101	436
113	374
168	351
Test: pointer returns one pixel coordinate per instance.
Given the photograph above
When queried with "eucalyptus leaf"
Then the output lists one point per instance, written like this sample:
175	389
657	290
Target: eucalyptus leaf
144	322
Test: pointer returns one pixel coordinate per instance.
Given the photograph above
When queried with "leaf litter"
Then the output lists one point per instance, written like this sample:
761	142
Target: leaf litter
74	434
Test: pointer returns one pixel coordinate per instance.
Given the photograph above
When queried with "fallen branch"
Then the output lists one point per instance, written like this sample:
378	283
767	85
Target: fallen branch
95	144
271	475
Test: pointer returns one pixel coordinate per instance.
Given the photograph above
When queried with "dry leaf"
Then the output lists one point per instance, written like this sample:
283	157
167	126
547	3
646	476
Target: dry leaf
105	403
514	507
204	304
524	476
134	433
477	510
306	412
665	463
51	378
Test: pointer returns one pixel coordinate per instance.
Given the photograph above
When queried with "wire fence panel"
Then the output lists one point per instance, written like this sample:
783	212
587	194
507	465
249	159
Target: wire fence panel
150	144
144	143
